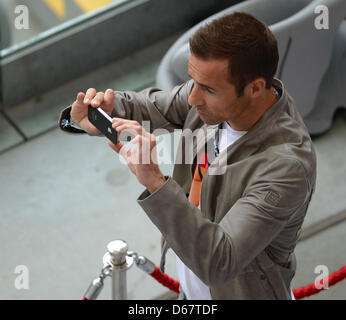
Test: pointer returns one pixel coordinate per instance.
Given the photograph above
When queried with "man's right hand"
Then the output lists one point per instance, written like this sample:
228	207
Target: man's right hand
79	111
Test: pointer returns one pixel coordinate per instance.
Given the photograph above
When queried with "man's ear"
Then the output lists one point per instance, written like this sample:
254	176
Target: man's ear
255	88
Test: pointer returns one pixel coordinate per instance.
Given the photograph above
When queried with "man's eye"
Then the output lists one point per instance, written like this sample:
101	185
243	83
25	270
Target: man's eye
208	90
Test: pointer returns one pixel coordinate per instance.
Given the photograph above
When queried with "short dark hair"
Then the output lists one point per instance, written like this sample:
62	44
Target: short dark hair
246	42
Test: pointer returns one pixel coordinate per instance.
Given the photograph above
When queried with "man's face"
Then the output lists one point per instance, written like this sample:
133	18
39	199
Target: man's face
213	96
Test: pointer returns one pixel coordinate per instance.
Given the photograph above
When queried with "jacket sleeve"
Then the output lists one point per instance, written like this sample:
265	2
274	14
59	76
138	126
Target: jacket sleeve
163	109
218	252
160	109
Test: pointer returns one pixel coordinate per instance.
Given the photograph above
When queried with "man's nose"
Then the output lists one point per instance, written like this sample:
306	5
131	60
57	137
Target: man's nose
195	97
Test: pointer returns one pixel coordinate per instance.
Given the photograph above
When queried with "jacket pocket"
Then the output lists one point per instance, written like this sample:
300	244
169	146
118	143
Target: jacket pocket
265	280
274	278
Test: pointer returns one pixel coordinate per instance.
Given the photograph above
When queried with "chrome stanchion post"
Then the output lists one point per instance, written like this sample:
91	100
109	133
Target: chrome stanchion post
120	262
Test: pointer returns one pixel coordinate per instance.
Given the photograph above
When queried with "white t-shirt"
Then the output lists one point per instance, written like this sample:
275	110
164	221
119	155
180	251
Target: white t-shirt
192	286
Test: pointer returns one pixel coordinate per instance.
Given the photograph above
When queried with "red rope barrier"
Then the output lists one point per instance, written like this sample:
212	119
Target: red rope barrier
300	293
165	280
312	289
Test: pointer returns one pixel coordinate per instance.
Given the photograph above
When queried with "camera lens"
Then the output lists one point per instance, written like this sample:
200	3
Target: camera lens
95	115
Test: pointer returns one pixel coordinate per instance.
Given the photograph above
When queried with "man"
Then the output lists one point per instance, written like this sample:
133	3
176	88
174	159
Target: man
234	238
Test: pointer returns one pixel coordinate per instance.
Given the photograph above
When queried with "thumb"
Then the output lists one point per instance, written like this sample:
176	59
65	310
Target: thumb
116	147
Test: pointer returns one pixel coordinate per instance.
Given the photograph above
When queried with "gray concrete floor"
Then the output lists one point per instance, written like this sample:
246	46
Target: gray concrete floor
64	197
326	248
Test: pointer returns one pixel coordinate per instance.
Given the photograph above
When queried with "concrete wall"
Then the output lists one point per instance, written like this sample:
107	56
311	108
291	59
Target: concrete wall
88	42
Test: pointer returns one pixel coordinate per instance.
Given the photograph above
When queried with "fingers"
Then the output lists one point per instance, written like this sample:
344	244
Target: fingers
90	94
122	150
93	98
109	99
129	125
116	147
79	110
142	140
98	99
137	139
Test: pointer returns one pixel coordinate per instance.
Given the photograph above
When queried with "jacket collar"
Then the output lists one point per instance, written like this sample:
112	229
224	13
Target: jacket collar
253	138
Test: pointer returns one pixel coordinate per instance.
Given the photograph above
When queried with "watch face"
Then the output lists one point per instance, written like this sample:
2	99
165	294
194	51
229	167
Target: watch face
103	122
64	123
70	126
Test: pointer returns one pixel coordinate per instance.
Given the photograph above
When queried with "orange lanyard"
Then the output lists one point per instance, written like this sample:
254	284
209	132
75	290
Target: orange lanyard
201	168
